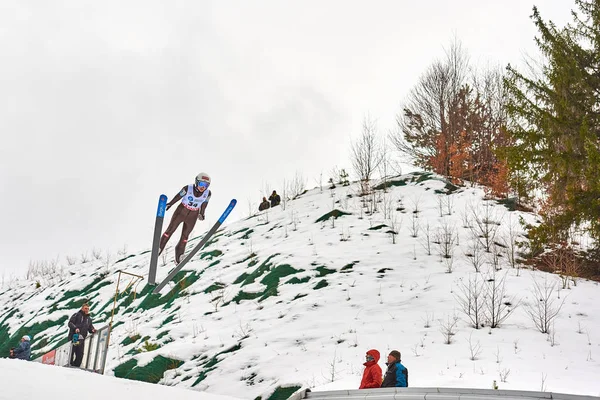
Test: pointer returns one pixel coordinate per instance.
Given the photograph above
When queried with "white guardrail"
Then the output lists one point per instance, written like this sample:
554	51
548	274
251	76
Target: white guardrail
436	394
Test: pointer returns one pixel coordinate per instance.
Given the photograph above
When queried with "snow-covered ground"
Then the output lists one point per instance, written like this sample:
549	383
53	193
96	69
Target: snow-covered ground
280	300
23	380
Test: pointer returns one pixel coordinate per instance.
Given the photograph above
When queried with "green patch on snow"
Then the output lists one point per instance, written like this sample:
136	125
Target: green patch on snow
296	280
214	286
448	189
322	283
252	255
125	258
246	279
324	271
271	281
510	203
70	294
247	234
209	255
152	372
376	228
212	264
299	296
211	364
245	296
283	393
348	267
130	340
162	335
168	319
184	280
241	230
390	183
272	278
332	214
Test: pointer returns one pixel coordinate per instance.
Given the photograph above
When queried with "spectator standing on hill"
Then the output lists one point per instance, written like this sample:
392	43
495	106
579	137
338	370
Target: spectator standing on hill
80	324
396	374
372	374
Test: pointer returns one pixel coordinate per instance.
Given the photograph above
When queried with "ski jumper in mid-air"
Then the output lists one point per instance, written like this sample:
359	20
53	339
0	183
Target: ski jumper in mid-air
194	199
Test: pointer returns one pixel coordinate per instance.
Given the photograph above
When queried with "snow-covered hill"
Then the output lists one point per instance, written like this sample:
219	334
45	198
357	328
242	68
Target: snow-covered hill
294	297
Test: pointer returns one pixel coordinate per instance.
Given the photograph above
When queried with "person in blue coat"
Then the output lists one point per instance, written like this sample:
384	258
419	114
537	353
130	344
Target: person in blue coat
396	374
23	352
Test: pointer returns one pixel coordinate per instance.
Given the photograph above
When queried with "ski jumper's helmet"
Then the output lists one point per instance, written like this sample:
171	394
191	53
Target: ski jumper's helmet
203	177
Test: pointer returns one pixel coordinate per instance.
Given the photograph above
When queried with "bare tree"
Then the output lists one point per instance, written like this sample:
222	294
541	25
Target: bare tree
395	225
426	241
485	225
366	154
512	244
445	238
448	328
428	125
475	255
471	299
544	307
385	166
498	308
474	348
297	186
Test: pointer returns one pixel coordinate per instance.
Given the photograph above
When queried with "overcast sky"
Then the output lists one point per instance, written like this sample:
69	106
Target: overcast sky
104	105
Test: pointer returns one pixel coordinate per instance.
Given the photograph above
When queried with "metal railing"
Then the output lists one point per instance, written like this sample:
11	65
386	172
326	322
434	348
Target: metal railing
94	353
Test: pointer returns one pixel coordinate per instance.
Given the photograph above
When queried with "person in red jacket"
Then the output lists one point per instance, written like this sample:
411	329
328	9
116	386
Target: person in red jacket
372	375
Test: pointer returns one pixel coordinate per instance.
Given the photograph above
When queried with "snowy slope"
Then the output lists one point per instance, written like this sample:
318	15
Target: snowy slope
38	381
280	301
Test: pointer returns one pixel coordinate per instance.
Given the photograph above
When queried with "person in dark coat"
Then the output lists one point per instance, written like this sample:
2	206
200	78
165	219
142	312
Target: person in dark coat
372	374
264	205
396	374
275	199
23	352
80	324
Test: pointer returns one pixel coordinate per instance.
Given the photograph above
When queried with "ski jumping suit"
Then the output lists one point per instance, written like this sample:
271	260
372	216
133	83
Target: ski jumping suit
192	207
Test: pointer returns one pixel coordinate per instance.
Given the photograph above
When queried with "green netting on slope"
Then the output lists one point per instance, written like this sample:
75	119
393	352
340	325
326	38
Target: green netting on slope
161	335
211	364
296	280
322	283
283	393
184	279
69	294
348	267
324	271
214	286
33	330
246	279
209	255
271	281
251	255
273	277
152	372
390	183
332	214
299	296
247	234
125	258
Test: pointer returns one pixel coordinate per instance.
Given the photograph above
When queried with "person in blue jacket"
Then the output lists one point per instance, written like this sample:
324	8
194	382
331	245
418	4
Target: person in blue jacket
23	352
396	374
